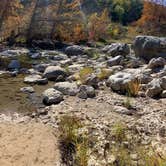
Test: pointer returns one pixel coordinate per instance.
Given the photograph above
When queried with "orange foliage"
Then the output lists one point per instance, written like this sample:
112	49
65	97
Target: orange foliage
153	16
98	26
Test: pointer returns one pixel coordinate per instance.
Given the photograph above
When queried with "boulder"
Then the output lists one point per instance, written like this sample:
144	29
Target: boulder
119	81
27	89
118	60
154	88
35	79
116	49
157	63
67	88
52	96
148	47
86	91
14	65
43	44
74	50
54	73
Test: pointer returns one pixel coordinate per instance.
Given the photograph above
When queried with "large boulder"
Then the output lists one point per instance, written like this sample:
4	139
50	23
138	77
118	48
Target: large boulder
67	88
119	81
54	73
116	49
52	96
74	50
148	47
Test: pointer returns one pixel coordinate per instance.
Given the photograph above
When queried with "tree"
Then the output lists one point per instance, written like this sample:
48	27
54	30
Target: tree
153	17
98	26
9	16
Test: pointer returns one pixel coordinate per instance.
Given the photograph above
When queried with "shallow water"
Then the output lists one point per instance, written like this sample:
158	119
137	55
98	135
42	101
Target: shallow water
13	100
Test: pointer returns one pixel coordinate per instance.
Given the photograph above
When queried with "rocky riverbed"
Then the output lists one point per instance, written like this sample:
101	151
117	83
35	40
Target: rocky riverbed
105	87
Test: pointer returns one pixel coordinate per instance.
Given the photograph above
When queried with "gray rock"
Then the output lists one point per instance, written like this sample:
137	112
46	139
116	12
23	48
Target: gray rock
14	64
156	63
163	83
86	91
27	89
148	47
74	50
119	81
35	79
154	88
67	88
163	94
122	110
118	60
116	49
54	72
52	96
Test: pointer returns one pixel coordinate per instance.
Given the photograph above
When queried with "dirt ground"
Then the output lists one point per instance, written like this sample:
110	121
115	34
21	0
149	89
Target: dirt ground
28	145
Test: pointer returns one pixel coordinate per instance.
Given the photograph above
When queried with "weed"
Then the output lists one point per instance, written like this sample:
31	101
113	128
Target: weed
74	146
119	132
127	103
133	87
84	73
104	74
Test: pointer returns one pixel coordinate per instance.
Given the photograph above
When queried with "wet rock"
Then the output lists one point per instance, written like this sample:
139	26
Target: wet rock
74	50
14	65
116	49
35	79
118	60
67	88
27	89
54	72
52	96
86	91
148	47
156	63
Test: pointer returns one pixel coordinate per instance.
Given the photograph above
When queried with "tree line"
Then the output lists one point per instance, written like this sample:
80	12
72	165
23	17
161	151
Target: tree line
65	20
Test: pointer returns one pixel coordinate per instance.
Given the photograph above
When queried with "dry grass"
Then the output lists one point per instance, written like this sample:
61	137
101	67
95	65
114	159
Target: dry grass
74	146
133	87
84	74
104	74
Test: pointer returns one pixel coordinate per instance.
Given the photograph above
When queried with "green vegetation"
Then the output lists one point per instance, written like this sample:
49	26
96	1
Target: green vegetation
74	145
